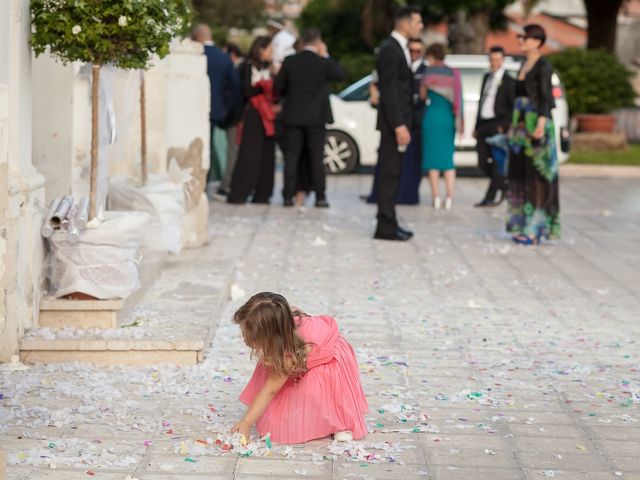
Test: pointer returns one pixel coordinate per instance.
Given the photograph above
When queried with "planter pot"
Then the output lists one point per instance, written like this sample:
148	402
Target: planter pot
596	123
102	263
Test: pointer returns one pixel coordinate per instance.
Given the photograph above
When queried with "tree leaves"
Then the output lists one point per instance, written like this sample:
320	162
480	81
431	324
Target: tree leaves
96	32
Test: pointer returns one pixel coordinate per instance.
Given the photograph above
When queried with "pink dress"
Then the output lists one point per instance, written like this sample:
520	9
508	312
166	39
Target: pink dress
328	398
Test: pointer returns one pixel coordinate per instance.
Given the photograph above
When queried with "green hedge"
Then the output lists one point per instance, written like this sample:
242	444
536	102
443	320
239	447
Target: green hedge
355	67
595	81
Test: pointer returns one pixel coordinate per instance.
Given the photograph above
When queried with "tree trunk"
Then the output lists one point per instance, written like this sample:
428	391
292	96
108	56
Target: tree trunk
602	17
95	140
479	23
459	33
143	131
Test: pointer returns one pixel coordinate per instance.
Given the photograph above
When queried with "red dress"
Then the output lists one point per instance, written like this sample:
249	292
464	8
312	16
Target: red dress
327	399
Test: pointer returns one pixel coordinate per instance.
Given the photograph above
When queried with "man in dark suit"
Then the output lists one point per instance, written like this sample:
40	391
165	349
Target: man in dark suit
303	82
395	115
225	89
494	116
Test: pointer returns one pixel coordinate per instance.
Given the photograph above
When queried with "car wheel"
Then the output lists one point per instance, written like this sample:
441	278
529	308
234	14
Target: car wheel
340	152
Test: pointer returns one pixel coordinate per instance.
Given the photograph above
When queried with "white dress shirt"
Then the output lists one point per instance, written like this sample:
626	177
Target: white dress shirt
282	46
404	43
487	110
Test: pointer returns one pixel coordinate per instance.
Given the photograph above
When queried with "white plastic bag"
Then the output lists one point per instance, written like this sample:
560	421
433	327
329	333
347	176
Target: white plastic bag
162	199
103	261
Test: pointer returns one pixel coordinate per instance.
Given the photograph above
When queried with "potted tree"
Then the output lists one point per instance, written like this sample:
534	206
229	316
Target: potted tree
597	84
122	33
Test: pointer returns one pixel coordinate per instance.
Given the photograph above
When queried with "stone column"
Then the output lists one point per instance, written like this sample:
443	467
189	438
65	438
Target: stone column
21	186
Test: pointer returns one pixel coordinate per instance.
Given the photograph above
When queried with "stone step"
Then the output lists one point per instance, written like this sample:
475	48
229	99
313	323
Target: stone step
57	313
183	306
112	352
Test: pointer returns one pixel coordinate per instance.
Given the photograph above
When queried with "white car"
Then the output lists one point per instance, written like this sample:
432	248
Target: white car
352	140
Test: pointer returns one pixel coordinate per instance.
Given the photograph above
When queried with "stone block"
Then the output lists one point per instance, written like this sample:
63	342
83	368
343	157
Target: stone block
112	357
561	461
467	473
58	319
262	467
167	464
3	465
345	470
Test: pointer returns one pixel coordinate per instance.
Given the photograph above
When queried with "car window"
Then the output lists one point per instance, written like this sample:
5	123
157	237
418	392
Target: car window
357	92
472	81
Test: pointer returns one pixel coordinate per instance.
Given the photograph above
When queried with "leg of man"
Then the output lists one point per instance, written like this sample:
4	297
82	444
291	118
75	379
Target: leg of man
294	144
390	161
484	130
264	188
316	136
232	156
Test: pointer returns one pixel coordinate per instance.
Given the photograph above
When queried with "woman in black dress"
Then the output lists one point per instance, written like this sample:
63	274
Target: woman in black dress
254	170
532	192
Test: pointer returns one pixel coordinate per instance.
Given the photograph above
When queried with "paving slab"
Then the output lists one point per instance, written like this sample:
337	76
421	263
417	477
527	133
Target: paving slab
480	359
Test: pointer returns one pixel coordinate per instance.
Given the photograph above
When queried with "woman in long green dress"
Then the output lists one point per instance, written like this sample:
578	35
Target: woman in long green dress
532	190
441	88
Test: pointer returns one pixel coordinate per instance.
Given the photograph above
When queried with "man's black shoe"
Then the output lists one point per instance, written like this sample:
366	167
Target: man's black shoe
288	202
322	203
405	231
485	203
396	236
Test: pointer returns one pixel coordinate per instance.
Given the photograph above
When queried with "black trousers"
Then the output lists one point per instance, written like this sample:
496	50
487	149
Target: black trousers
255	167
488	128
390	162
296	139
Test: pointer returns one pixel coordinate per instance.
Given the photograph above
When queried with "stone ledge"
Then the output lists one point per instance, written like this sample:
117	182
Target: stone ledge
130	357
576	170
598	141
57	304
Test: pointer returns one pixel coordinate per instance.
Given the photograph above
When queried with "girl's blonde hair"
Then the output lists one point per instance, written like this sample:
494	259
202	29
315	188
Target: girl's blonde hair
269	329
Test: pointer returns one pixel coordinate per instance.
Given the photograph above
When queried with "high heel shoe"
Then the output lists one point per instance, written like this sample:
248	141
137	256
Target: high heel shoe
437	203
448	203
523	239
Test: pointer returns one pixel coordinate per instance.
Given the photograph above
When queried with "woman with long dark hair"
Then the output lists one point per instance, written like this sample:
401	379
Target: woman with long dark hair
254	170
532	191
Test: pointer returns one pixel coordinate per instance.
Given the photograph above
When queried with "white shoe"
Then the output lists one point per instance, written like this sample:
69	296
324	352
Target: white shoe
437	203
448	203
344	436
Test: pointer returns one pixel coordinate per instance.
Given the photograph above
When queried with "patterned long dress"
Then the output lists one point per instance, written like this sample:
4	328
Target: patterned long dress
532	192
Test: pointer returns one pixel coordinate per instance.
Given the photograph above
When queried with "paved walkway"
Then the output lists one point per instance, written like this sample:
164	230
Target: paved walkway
480	359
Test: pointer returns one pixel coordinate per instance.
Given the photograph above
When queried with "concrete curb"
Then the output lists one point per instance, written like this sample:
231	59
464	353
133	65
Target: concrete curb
574	170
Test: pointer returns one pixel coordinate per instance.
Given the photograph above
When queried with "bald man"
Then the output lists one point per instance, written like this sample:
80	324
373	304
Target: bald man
225	91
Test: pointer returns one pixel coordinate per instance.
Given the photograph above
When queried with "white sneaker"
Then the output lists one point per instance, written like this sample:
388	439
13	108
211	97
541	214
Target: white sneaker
437	203
448	203
344	436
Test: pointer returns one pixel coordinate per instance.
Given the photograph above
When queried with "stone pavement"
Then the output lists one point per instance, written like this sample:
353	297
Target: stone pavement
480	359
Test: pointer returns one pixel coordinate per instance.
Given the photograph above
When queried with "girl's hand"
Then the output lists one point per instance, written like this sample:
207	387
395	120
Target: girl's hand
242	427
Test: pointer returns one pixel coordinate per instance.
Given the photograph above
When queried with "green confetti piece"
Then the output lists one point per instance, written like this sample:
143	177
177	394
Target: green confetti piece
52	445
268	442
379	425
247	454
592	414
190	460
381	411
416	430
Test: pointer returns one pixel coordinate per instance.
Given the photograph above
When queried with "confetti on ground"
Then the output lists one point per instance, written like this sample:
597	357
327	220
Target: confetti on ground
464	343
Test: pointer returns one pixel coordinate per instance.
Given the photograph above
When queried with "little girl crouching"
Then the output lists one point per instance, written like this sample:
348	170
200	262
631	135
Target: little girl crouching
306	384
